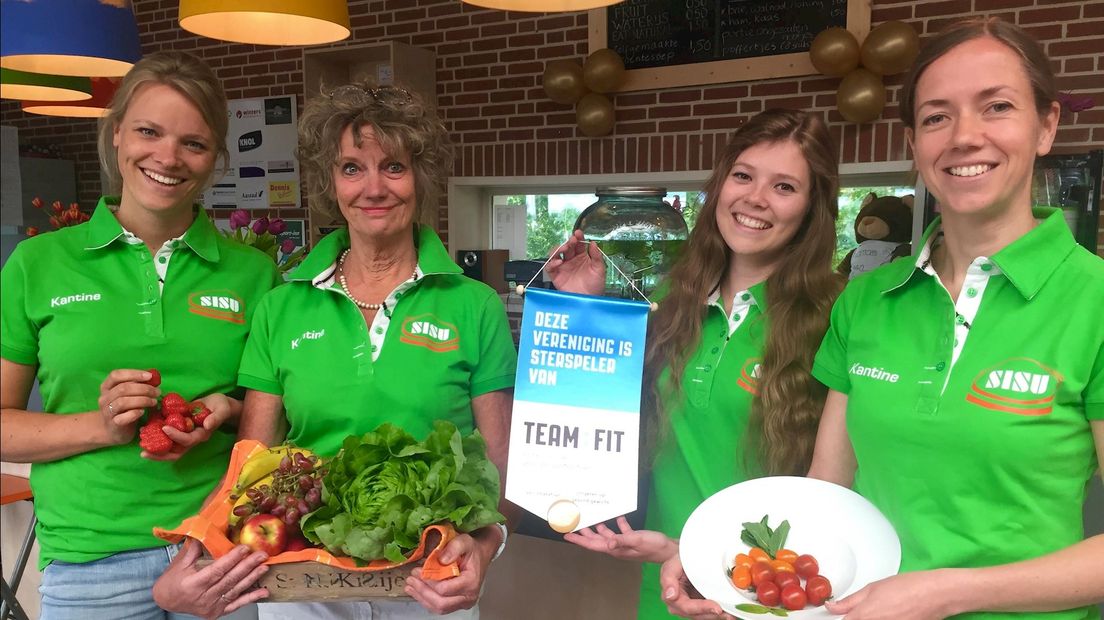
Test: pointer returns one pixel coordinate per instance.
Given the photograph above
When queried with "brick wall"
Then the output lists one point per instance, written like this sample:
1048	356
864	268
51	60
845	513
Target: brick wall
489	66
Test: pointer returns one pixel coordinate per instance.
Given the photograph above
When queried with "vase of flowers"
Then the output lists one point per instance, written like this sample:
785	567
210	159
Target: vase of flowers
60	216
263	234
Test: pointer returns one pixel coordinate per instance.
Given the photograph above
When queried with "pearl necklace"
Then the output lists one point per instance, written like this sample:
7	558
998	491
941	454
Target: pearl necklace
345	285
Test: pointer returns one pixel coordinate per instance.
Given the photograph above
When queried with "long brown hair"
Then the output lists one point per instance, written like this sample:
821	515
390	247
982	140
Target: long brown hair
800	292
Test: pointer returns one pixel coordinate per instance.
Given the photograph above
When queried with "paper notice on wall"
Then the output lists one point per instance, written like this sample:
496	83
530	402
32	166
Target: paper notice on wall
575	432
263	170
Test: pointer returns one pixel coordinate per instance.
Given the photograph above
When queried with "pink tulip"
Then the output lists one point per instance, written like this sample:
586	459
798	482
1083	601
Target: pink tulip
277	226
260	226
239	218
287	246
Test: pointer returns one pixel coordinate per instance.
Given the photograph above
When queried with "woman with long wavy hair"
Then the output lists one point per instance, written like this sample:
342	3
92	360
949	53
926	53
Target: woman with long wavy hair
731	345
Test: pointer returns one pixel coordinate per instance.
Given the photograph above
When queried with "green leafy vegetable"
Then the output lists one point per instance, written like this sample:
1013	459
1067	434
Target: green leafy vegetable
752	608
761	535
384	488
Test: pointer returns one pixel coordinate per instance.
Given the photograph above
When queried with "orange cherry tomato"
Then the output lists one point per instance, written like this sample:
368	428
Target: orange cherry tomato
758	554
819	589
769	593
782	566
806	566
741	577
743	559
786	555
793	597
761	573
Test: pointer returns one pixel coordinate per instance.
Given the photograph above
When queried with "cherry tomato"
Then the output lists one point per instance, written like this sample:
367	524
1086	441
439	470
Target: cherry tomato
793	597
758	554
784	579
761	573
741	577
781	566
819	589
806	566
743	559
769	594
786	555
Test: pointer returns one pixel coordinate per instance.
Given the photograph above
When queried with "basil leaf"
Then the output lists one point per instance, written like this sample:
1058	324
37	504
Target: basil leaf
778	612
752	609
778	540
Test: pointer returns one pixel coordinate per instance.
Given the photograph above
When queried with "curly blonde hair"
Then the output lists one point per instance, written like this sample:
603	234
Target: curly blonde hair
401	122
786	412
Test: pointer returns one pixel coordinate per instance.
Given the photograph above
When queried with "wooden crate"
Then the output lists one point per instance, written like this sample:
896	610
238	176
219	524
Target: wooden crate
321	583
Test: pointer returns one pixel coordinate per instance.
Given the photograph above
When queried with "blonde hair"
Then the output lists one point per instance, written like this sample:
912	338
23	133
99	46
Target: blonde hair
186	74
401	122
800	292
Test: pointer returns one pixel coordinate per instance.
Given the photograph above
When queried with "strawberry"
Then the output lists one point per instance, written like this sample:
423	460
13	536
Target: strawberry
199	413
152	439
180	422
174	403
155	379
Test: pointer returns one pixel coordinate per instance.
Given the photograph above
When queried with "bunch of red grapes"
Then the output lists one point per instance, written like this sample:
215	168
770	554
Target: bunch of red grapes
295	489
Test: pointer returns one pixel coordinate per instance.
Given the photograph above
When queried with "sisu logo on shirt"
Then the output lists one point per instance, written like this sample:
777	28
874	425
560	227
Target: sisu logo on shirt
749	375
307	335
1017	385
222	305
428	331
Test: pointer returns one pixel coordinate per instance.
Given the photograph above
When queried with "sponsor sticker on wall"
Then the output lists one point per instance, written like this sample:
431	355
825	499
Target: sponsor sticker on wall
262	143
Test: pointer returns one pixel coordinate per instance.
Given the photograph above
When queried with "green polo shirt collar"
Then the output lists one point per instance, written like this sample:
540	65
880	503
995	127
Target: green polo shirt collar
1027	262
103	228
320	263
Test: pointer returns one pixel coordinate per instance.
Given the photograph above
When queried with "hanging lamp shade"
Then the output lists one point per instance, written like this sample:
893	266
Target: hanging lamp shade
542	6
267	22
69	37
103	89
42	87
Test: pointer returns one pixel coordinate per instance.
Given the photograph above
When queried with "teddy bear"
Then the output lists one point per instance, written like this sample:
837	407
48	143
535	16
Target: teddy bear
883	229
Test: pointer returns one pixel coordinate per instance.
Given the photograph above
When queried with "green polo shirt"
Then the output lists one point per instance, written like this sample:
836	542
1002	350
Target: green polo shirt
705	448
441	340
970	418
82	301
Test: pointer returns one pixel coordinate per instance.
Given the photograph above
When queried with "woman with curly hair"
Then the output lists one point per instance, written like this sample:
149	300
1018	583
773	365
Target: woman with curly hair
732	342
378	324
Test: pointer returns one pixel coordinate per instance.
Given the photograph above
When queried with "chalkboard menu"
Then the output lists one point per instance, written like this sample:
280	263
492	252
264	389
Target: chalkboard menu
661	33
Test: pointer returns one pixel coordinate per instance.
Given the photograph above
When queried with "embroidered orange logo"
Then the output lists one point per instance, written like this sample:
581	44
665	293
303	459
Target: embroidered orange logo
749	375
222	305
1018	385
428	331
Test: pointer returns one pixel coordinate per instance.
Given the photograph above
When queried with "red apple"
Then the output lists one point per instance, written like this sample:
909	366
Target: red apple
264	532
297	543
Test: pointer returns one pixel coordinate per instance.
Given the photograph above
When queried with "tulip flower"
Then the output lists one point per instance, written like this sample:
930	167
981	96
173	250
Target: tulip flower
287	246
260	226
239	219
277	226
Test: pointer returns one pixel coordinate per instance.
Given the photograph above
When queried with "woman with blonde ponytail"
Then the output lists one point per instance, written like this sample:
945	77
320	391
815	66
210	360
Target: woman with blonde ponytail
727	373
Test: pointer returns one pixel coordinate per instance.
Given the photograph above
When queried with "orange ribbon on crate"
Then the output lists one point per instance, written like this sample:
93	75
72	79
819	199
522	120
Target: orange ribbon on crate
210	525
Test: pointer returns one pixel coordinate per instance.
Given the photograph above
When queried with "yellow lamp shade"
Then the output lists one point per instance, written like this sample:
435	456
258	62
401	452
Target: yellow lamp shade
542	6
267	22
43	87
103	89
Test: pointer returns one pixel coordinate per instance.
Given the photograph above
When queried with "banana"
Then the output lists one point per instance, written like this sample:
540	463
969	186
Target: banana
262	464
244	498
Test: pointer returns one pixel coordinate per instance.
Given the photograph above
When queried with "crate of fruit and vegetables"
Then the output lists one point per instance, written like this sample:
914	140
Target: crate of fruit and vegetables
350	527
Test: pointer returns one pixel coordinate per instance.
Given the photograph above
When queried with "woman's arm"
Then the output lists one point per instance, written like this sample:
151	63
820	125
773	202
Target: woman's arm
36	437
833	456
1068	578
263	418
473	552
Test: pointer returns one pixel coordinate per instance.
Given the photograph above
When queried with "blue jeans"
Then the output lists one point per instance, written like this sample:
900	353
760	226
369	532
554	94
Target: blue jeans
116	587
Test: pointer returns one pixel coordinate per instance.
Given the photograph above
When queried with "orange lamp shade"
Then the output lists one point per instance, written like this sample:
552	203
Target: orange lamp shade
103	89
267	22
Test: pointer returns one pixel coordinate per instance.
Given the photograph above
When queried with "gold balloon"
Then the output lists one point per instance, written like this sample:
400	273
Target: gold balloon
890	48
604	71
835	52
563	81
594	114
861	96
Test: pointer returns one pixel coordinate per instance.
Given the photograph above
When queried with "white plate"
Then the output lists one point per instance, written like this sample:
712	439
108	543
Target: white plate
852	541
